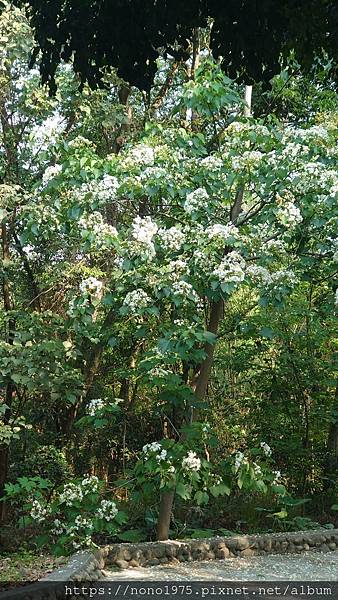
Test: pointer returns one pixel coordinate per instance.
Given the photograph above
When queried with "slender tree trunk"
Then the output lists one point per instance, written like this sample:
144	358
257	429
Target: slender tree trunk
4	450
331	466
163	523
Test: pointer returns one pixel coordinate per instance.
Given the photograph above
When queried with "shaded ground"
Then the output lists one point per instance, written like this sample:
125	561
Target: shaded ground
27	566
308	566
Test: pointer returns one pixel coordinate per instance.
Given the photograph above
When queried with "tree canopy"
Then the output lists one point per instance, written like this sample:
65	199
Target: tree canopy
248	37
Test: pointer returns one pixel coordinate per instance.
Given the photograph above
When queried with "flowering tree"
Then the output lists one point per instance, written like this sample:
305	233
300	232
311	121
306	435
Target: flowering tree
127	264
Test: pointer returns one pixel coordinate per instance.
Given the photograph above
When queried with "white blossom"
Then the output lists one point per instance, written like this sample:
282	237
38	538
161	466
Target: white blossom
224	232
38	512
71	493
171	239
91	286
196	200
107	510
289	215
191	462
50	173
231	269
266	449
141	155
152	447
94	405
137	300
277	477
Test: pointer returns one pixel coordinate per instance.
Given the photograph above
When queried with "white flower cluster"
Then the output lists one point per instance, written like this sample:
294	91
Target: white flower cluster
90	484
177	268
91	286
80	142
266	449
38	512
259	275
58	527
191	462
262	277
155	448
150	448
50	173
140	155
137	300
94	223
231	269
83	523
257	469
184	289
107	510
156	173
172	238
94	405
142	232
289	215
103	190
240	459
277	477
224	232
196	200
248	160
87	541
211	163
71	493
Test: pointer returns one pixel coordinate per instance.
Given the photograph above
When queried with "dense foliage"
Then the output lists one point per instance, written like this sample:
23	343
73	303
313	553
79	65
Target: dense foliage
249	37
168	300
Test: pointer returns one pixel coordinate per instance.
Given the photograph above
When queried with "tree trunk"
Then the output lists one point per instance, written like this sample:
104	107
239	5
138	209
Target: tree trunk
163	523
4	450
331	466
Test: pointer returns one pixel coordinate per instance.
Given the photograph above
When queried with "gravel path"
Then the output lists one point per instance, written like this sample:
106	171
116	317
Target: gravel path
308	566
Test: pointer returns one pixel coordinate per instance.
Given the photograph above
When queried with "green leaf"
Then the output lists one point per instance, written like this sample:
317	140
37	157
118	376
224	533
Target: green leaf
201	497
183	491
133	535
220	490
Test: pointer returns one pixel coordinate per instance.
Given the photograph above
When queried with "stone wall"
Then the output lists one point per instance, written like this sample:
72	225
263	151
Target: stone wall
148	554
89	566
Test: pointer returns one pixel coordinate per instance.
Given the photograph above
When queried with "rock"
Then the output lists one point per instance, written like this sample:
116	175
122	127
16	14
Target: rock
153	562
159	551
298	540
332	546
122	564
126	554
223	552
268	545
134	563
242	543
170	550
325	548
247	552
306	547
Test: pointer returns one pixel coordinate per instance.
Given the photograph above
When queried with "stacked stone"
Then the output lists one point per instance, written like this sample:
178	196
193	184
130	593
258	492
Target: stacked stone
149	554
